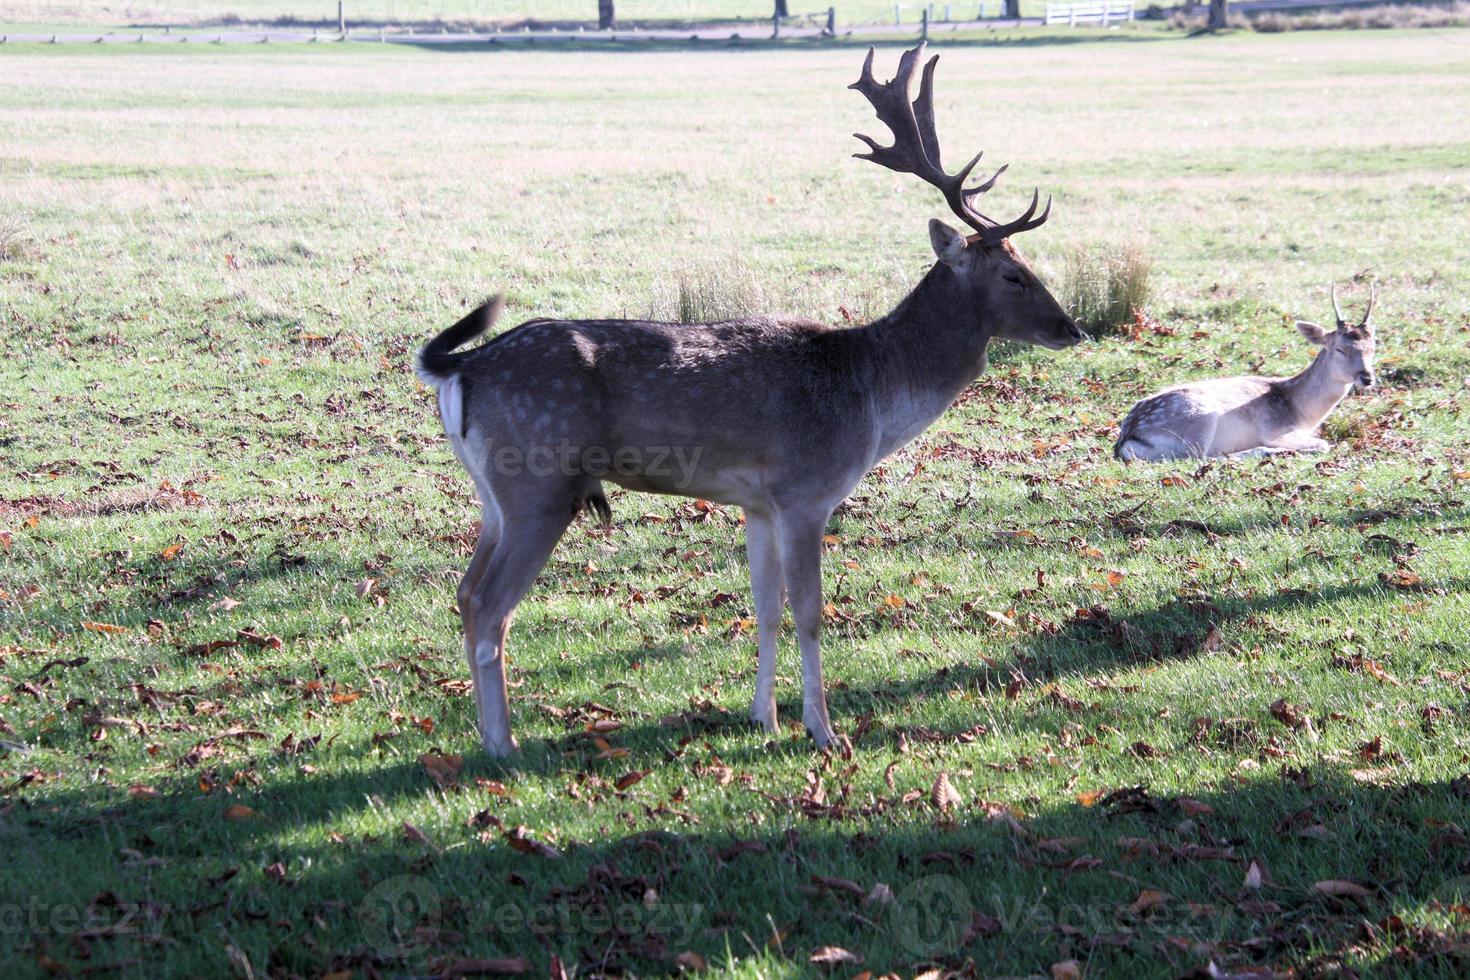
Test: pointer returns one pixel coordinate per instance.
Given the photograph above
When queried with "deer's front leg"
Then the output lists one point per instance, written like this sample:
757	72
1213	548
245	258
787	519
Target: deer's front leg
801	566
1300	442
768	588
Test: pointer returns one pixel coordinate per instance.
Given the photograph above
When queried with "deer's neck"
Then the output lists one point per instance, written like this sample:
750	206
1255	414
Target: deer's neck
1313	393
925	353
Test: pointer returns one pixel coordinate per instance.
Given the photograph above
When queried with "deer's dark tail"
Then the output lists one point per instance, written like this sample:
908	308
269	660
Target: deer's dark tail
437	361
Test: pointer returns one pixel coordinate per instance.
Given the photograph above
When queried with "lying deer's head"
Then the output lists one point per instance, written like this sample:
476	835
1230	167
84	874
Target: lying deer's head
1001	293
1348	350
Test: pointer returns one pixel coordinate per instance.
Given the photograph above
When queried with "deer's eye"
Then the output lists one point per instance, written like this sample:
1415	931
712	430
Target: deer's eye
1013	279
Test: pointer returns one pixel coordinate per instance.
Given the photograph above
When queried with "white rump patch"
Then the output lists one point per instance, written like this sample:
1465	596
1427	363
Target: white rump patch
451	405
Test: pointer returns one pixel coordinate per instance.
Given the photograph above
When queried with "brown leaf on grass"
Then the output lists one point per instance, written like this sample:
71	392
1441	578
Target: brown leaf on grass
442	769
943	794
417	836
1068	969
1370	750
464	966
1147	899
1194	808
840	885
1401	578
103	627
1144	751
224	605
257	640
172	551
276	871
520	838
139	791
1338	888
690	960
239	811
835	956
1287	713
365	587
631	779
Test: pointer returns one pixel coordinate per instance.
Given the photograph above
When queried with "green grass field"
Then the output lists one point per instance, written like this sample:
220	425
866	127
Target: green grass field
230	528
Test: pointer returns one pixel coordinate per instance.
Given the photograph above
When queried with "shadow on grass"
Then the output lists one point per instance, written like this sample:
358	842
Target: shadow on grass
1129	882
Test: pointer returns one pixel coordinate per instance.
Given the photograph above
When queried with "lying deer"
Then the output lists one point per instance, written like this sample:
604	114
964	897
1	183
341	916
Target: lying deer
779	416
1252	415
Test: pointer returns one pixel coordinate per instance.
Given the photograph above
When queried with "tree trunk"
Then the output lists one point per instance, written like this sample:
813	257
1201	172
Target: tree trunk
1013	9
781	10
605	17
1219	14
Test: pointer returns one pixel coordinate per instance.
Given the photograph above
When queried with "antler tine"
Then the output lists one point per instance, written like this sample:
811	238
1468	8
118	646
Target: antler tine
924	115
1024	223
1337	310
915	148
1372	297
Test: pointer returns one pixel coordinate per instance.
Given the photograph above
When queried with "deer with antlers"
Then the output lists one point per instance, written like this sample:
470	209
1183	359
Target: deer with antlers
778	416
1250	415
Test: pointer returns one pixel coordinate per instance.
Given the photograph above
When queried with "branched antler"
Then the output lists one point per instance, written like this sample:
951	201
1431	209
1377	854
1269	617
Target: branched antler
915	148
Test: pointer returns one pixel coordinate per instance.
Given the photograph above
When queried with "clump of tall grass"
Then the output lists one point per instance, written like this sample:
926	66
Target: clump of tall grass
1103	286
707	294
15	237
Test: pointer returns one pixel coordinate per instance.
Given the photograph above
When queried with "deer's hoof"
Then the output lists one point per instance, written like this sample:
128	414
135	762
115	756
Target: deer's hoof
820	729
765	717
501	748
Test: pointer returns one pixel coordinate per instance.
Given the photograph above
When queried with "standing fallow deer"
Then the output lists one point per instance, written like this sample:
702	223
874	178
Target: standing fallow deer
779	416
1256	416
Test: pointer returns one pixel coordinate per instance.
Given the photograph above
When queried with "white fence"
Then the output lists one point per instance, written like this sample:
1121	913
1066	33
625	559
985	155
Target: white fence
1102	12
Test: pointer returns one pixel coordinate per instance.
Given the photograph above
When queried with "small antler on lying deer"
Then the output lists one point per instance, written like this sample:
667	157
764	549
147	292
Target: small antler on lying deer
915	148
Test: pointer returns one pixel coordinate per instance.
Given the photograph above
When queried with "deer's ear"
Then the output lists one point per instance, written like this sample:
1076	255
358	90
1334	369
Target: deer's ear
1312	332
949	245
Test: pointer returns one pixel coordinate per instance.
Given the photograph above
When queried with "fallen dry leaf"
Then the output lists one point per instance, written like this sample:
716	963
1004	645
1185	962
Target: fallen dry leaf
520	838
239	811
103	627
690	960
442	769
944	795
1341	889
631	778
1146	900
835	956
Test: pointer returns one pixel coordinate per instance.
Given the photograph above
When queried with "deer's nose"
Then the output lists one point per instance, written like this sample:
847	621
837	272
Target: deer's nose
1366	379
1075	332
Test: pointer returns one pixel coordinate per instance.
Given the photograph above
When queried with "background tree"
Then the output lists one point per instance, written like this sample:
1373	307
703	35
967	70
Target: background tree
1013	9
1219	14
606	18
781	10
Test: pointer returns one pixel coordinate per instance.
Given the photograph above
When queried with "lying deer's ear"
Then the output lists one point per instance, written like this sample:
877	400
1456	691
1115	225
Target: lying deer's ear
1312	332
949	245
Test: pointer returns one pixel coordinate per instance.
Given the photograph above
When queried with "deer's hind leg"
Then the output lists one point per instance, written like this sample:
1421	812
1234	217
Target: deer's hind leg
769	591
470	581
533	516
